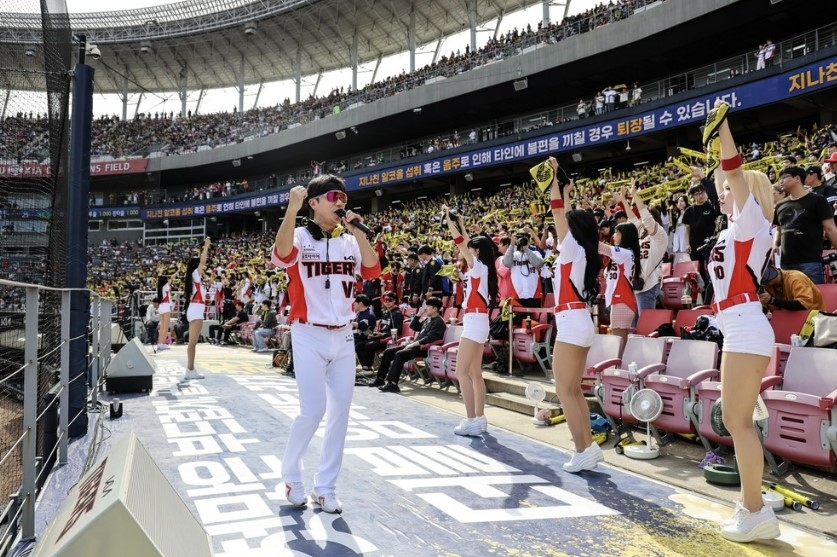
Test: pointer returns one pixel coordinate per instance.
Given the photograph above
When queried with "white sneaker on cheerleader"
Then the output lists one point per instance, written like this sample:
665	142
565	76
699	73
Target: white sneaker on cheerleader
746	526
191	374
585	460
483	422
161	347
469	428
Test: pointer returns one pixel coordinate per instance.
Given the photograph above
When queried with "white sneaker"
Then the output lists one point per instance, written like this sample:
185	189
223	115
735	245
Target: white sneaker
328	502
161	347
746	526
471	428
191	374
483	421
295	494
586	460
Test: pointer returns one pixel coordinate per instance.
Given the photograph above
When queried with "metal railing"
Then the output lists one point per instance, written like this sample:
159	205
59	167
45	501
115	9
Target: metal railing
19	457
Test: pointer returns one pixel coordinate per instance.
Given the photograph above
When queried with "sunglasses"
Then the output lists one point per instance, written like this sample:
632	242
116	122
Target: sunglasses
334	196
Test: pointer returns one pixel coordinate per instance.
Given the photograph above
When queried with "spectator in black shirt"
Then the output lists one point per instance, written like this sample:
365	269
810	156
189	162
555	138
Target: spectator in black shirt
429	330
800	222
813	179
699	220
391	318
228	326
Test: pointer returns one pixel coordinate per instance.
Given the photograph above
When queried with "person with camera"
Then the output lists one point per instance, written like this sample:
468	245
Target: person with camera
623	275
736	261
788	289
525	264
480	288
575	283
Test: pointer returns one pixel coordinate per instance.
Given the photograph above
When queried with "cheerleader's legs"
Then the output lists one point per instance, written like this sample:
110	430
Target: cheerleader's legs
469	374
568	362
741	374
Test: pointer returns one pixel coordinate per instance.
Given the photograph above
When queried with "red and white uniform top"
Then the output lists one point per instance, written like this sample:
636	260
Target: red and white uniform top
166	294
568	272
475	285
740	255
526	279
311	265
198	289
618	276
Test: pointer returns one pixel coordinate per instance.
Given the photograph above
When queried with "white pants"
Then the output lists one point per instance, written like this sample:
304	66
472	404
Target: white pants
324	363
746	329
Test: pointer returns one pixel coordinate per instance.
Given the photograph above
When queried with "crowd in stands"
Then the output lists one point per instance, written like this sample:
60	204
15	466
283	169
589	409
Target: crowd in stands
23	136
513	212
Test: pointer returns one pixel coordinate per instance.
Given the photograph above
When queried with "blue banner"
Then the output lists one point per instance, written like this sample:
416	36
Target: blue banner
810	78
217	206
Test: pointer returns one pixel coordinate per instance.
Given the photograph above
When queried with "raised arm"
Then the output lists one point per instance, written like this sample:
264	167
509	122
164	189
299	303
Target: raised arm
204	253
284	242
459	234
731	164
556	202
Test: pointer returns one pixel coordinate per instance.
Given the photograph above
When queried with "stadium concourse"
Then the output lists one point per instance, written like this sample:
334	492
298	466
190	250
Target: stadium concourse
410	487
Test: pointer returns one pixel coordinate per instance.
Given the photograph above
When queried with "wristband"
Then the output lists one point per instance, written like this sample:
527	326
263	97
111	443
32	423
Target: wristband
731	163
458	240
556	204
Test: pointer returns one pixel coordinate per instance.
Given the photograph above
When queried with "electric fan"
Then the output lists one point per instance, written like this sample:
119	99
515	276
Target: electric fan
646	406
721	473
535	393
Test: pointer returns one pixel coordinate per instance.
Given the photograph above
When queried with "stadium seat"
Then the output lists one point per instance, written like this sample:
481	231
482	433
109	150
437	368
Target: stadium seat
650	319
437	353
649	355
802	423
687	317
689	362
673	286
603	354
786	323
829	296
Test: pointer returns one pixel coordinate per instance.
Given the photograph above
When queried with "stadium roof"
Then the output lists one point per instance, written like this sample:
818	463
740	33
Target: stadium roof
210	41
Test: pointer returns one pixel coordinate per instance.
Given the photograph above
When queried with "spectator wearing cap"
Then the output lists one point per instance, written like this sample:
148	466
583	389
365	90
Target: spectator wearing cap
391	320
813	180
699	220
831	161
791	290
800	222
412	279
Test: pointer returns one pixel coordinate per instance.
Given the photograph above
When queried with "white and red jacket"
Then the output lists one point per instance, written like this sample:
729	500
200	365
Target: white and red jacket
198	289
740	255
313	264
568	272
475	284
618	275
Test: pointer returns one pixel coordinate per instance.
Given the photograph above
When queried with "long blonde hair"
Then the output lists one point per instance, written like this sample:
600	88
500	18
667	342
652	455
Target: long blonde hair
762	190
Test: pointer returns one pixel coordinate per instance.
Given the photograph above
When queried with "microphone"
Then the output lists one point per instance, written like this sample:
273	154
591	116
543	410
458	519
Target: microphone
356	222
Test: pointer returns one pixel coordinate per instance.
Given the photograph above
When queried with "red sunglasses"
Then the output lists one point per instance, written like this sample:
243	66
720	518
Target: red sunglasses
334	196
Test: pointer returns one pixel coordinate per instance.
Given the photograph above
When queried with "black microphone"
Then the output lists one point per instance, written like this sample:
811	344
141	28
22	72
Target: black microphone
356	222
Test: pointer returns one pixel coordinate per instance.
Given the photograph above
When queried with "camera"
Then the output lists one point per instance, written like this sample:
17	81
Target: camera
94	51
522	242
830	260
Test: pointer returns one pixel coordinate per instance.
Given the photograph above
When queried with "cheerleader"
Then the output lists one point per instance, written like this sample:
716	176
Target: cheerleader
164	295
622	272
735	266
479	286
195	296
575	283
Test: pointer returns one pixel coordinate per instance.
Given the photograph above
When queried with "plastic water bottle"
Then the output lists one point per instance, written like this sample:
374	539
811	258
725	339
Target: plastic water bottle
632	371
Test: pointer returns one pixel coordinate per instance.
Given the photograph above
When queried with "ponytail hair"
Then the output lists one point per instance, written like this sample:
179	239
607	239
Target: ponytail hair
585	230
630	240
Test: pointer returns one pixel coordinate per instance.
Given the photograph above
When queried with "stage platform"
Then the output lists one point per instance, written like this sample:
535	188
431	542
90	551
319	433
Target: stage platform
409	486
